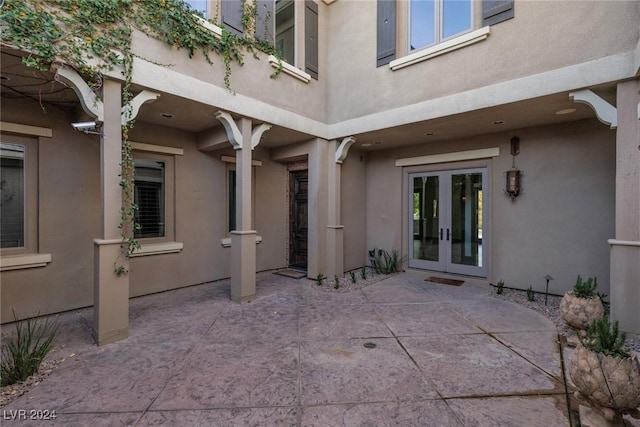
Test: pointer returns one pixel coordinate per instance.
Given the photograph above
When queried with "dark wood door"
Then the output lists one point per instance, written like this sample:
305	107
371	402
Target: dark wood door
298	218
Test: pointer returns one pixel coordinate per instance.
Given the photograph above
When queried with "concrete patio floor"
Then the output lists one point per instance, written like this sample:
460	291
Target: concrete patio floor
297	356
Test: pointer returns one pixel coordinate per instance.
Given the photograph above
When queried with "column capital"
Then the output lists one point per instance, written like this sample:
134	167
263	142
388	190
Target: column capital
343	148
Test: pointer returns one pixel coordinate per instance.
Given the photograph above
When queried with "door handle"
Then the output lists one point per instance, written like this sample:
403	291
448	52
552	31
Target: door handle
441	234
447	234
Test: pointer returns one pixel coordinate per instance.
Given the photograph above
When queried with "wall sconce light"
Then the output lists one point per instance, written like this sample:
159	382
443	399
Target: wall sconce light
513	175
86	127
513	183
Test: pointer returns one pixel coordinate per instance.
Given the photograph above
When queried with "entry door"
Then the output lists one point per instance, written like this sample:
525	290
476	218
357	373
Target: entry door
298	219
446	228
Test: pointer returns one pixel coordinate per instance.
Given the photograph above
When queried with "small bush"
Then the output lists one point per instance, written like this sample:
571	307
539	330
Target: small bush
606	338
585	289
319	278
23	351
336	282
383	262
363	272
500	287
353	276
530	294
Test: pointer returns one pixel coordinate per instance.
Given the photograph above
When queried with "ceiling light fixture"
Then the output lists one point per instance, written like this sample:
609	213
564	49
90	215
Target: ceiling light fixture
366	144
566	111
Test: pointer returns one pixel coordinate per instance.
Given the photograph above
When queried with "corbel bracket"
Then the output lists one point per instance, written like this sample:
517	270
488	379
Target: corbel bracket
130	111
606	113
343	148
257	132
233	132
90	102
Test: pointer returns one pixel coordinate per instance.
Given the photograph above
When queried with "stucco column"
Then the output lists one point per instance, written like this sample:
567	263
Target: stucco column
335	230
625	248
111	290
317	208
243	240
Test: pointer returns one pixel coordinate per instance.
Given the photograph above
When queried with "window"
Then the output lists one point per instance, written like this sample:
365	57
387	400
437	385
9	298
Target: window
200	6
150	196
285	30
231	197
433	21
12	201
18	194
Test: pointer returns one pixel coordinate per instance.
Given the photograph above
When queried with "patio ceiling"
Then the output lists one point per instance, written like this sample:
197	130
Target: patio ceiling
180	113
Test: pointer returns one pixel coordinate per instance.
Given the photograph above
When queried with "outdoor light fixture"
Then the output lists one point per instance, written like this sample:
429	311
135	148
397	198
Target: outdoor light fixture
86	127
513	175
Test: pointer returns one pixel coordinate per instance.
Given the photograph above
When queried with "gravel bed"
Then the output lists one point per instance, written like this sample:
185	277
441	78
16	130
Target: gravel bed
552	311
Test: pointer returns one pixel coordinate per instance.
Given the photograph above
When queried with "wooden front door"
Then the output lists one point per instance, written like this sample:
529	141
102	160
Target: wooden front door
298	218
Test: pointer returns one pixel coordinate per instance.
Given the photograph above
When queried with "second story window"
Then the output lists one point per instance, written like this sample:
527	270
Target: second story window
285	30
200	6
433	21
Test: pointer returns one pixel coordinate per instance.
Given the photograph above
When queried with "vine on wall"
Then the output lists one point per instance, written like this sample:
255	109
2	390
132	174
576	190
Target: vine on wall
94	36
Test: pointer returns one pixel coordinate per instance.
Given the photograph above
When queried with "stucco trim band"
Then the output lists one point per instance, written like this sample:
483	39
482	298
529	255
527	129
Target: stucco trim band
441	48
152	148
158	248
19	262
26	129
226	242
232	159
449	157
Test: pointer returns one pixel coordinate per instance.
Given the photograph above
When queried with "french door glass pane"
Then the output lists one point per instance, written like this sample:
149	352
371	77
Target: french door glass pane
426	218
466	219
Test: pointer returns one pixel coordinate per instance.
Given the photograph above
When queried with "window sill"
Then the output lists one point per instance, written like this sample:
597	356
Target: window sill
441	48
217	31
226	242
158	249
19	262
289	69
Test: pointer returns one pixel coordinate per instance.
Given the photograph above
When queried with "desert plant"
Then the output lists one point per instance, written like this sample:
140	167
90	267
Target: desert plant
23	352
319	278
363	272
353	276
336	281
606	338
500	287
384	262
605	304
530	294
585	289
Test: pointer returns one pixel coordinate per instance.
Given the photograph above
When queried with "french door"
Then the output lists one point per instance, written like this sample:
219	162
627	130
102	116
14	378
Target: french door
447	227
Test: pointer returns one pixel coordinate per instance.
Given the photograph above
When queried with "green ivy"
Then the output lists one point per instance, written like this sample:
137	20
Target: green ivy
94	36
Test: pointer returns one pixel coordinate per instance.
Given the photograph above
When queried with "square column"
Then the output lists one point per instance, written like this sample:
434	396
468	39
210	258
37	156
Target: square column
111	290
243	240
625	248
335	230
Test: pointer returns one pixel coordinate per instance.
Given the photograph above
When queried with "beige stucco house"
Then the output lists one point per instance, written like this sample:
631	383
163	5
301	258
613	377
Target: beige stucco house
393	124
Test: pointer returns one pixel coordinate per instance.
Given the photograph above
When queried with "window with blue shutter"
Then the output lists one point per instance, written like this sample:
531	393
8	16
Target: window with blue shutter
496	11
386	44
232	16
311	38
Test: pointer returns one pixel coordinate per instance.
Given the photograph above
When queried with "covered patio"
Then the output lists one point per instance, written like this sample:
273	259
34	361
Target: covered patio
402	351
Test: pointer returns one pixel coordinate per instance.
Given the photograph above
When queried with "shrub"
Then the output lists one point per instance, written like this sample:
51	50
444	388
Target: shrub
319	278
530	294
353	276
606	338
500	287
384	262
336	281
585	289
23	352
363	272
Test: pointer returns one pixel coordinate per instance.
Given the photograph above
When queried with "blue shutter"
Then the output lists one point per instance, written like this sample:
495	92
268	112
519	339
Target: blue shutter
232	16
496	11
266	21
386	51
311	38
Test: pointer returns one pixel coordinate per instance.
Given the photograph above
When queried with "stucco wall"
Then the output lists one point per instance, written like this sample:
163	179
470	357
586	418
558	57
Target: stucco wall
560	223
69	216
543	36
353	205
